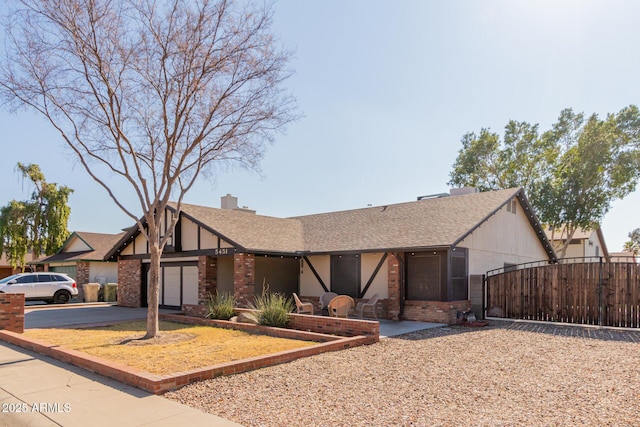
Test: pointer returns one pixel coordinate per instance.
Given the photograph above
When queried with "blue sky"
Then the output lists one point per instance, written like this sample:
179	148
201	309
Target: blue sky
387	89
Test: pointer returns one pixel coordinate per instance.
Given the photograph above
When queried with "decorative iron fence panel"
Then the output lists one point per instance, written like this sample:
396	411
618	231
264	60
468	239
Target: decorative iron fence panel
591	293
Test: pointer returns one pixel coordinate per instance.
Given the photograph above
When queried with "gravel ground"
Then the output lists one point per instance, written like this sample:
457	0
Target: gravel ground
455	376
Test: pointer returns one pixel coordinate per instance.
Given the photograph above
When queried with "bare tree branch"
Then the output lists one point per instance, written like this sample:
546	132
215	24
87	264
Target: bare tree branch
151	94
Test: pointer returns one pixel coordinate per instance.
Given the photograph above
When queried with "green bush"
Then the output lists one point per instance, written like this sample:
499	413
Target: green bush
221	306
272	309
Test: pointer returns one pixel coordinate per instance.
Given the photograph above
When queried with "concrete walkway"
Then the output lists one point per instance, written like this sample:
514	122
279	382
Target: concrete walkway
39	391
392	328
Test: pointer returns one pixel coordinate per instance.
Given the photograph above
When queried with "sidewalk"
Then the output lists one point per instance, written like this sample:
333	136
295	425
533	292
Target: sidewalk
39	391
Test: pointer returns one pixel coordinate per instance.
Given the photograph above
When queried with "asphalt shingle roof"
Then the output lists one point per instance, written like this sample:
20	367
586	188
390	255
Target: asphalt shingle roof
424	223
99	242
252	232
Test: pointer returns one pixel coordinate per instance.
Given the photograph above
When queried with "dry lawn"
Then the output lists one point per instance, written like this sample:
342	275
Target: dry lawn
179	348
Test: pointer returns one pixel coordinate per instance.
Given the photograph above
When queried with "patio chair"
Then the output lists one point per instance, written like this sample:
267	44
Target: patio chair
340	306
326	298
371	304
302	307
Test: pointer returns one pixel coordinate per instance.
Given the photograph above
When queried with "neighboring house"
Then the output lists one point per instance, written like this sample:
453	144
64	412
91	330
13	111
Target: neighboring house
424	258
584	243
624	256
82	256
5	268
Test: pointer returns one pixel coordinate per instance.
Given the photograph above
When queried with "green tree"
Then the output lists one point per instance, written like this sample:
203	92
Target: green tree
633	244
572	172
38	224
149	95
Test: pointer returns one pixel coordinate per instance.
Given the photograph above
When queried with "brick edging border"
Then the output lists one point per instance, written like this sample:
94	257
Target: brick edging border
159	384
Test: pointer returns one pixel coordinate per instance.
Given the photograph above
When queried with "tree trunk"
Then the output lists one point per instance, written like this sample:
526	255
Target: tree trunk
153	328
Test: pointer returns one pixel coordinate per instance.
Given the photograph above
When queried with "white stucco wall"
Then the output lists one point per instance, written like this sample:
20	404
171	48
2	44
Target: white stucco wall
309	285
369	262
108	270
76	245
189	232
505	237
575	250
140	246
208	240
595	249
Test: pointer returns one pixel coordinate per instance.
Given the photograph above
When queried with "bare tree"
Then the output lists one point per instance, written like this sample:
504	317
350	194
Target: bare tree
149	94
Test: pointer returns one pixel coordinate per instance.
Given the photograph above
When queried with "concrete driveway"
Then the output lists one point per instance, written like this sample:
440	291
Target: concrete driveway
55	316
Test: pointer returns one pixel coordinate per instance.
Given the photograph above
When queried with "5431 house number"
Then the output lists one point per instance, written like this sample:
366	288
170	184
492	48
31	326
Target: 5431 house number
223	251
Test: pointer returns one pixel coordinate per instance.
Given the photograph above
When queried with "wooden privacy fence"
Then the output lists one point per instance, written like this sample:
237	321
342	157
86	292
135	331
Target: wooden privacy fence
593	293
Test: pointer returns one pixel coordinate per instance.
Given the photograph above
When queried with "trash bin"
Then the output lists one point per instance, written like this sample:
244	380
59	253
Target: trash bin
111	292
90	291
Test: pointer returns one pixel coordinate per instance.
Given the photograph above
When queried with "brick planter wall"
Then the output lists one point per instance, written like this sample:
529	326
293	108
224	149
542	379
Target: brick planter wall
129	282
435	311
12	312
159	384
316	324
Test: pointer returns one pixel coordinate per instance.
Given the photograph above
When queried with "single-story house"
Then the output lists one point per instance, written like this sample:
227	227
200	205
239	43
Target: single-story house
82	257
584	243
5	267
424	258
624	256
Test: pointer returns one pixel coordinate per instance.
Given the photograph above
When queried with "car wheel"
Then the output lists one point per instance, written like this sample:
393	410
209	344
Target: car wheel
62	297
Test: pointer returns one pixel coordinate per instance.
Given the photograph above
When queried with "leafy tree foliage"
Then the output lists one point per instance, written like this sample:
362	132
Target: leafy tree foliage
38	224
633	244
571	172
149	95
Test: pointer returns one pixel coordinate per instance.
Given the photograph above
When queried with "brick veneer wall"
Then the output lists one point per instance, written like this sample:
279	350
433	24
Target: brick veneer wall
82	277
207	277
82	273
244	278
129	282
12	312
435	311
393	302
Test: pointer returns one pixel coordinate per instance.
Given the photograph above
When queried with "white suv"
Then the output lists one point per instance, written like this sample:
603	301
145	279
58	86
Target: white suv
49	287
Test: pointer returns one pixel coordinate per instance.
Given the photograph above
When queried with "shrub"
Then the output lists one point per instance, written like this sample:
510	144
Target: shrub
221	306
272	309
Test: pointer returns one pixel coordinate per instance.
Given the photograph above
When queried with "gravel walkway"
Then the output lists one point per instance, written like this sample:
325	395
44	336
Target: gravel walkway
503	374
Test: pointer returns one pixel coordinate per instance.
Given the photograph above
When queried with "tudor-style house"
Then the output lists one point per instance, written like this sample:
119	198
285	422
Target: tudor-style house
425	259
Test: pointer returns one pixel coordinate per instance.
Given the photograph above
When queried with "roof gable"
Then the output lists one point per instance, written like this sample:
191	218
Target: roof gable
426	223
436	222
84	246
75	244
248	231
